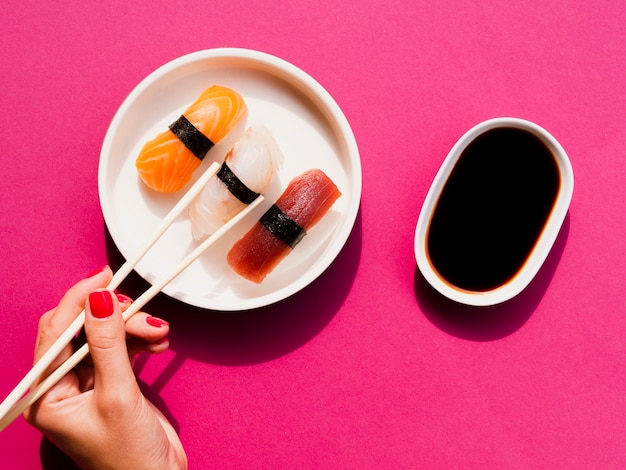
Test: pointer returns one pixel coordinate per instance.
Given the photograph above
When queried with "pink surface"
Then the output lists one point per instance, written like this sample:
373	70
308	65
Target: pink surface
366	368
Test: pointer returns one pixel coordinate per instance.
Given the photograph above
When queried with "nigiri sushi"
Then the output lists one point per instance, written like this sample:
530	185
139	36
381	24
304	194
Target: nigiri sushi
304	202
167	162
247	171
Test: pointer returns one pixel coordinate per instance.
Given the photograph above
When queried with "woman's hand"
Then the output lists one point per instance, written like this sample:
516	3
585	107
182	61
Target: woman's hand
97	413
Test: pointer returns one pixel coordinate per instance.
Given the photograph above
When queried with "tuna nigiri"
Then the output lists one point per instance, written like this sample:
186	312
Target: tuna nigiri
247	171
167	162
304	202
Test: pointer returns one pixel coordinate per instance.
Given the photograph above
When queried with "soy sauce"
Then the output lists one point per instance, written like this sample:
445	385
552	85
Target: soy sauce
492	209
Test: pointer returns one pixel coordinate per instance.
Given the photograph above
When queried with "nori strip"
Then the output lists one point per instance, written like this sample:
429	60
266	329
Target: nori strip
188	134
282	226
235	185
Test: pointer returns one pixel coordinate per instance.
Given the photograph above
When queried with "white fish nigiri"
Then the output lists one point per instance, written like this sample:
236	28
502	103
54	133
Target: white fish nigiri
253	160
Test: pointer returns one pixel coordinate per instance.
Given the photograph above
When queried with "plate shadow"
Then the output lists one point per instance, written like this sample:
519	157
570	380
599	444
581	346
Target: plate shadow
251	336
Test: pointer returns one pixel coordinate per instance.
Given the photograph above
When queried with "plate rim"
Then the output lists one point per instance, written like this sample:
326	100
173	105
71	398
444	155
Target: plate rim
306	83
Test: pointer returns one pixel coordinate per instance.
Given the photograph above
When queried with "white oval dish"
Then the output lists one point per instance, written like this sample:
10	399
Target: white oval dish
311	131
541	247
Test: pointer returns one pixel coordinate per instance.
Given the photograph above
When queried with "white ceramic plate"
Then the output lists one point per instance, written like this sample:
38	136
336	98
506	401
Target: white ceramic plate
311	131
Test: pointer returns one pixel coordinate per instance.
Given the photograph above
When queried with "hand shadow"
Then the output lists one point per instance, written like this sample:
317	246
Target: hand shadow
258	335
493	322
53	458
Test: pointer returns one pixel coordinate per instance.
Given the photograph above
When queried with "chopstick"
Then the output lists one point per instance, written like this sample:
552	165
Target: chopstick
80	354
65	338
10	408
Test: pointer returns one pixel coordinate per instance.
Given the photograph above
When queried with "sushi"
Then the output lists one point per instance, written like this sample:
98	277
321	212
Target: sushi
304	202
167	162
247	171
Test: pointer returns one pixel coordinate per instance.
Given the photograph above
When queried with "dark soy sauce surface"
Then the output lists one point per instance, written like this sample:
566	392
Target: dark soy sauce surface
492	209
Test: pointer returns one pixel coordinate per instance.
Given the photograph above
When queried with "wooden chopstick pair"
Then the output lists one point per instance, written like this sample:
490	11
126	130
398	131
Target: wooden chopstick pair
12	406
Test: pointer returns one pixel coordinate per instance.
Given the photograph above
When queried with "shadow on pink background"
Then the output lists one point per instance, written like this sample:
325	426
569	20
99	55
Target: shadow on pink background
367	368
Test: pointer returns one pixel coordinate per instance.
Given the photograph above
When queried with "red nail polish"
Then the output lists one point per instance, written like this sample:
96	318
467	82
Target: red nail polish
101	303
156	322
123	298
98	271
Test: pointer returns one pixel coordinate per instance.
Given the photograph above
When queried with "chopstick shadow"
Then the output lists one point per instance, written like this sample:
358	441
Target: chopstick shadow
493	322
253	336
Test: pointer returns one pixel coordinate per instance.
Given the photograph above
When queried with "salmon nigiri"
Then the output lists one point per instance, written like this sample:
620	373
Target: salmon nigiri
167	162
304	202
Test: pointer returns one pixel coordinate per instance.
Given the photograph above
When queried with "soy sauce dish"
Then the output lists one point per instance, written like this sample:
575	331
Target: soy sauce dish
493	211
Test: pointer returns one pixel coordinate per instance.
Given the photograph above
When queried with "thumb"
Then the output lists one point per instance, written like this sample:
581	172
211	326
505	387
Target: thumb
106	336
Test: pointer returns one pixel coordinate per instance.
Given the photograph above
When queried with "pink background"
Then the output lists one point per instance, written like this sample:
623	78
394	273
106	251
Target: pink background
366	368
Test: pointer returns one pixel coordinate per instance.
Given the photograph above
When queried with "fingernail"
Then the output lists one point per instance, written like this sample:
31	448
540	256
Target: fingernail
156	322
123	298
98	271
101	303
